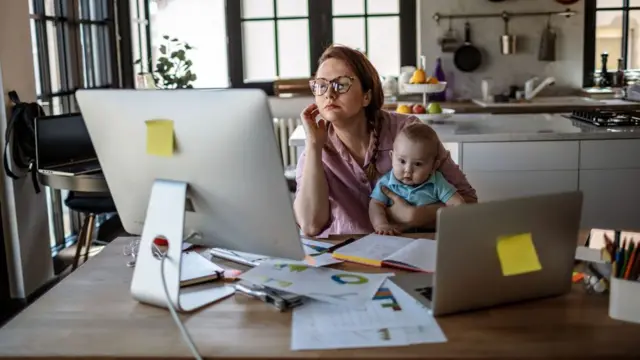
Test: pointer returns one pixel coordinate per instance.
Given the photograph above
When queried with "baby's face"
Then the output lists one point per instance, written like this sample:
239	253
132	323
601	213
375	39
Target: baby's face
412	161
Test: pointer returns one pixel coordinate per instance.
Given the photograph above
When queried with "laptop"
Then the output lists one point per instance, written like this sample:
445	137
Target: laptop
469	273
63	146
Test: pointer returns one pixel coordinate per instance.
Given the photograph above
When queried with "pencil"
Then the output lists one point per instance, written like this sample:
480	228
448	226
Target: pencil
632	259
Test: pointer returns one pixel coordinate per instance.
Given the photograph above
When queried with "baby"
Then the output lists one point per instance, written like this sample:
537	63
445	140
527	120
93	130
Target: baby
413	177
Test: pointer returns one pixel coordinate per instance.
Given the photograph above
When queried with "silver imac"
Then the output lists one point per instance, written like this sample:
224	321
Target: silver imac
224	181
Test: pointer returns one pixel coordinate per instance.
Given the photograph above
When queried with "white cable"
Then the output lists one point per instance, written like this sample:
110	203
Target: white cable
174	314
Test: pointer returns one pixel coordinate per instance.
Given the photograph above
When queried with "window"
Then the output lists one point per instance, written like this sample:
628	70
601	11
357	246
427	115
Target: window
612	26
283	39
74	47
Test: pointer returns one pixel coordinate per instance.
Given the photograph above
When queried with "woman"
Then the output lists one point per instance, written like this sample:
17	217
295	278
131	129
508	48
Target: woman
348	150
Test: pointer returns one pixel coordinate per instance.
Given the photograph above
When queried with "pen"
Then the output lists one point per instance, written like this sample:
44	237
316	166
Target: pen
618	264
339	245
616	241
632	258
635	267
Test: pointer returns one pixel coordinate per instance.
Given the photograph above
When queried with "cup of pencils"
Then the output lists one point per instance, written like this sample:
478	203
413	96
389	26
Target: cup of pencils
624	287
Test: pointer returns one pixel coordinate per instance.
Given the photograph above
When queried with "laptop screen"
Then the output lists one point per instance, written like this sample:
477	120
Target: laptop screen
62	139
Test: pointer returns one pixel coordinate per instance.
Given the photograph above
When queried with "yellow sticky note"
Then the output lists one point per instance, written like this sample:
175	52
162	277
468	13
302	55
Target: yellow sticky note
517	254
160	137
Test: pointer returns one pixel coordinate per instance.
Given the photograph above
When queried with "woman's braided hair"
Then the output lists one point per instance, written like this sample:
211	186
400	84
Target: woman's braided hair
370	81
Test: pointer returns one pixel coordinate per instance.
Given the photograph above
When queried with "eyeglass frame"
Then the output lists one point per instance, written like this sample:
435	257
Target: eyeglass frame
332	83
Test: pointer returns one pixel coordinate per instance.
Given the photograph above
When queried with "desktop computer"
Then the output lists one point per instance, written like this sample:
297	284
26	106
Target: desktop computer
221	177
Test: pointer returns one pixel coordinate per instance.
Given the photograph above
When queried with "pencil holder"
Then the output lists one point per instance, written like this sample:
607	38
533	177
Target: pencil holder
623	301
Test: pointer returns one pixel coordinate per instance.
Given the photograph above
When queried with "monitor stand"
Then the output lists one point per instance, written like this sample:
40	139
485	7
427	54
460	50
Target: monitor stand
165	219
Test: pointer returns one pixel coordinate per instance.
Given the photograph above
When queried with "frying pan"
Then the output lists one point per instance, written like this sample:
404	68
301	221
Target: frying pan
467	57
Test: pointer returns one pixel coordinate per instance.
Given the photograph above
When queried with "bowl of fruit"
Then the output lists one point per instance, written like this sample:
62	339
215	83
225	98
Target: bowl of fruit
420	83
432	113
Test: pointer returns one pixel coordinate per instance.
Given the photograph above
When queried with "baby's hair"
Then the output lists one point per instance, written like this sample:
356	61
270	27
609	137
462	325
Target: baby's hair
423	133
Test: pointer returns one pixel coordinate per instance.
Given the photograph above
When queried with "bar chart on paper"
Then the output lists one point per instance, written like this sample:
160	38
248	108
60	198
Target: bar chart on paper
390	318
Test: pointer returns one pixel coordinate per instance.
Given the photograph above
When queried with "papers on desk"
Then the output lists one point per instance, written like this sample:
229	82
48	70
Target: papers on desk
333	286
390	318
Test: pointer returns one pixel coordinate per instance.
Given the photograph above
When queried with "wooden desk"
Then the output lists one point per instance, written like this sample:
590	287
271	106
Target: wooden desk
92	314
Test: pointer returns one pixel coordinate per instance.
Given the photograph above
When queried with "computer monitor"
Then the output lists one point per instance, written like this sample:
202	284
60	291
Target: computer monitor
225	150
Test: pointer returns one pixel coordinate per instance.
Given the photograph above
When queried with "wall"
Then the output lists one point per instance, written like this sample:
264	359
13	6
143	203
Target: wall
511	69
24	214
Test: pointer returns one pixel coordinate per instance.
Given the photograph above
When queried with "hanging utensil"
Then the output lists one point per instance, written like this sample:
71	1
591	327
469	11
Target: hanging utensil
449	42
508	42
467	57
547	51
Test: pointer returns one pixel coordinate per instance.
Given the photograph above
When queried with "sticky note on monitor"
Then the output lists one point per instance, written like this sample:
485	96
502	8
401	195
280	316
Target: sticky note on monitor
517	254
160	137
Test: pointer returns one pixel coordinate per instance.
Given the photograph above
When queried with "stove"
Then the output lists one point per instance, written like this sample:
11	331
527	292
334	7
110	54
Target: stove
607	118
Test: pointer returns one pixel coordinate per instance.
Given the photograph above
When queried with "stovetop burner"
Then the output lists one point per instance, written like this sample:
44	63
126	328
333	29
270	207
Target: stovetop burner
607	118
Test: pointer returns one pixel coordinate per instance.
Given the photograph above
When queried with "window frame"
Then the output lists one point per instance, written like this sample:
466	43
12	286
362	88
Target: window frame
320	36
589	59
75	59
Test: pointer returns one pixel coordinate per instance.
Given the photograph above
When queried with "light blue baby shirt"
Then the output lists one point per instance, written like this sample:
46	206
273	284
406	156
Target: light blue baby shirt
436	189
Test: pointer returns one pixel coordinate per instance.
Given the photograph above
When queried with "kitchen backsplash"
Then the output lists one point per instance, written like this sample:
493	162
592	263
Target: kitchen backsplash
505	70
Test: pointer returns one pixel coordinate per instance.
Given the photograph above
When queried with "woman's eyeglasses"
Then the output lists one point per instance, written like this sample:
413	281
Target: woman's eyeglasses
341	85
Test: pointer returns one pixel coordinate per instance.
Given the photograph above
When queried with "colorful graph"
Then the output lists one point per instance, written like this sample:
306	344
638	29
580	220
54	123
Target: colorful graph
350	279
385	294
291	267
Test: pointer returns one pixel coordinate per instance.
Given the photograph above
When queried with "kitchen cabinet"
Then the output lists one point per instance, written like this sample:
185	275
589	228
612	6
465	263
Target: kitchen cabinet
502	185
611	198
609	178
521	156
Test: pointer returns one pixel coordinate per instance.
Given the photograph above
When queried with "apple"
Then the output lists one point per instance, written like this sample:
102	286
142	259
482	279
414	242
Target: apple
434	108
419	109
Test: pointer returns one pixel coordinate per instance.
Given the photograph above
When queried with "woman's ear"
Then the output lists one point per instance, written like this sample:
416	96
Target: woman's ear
367	99
391	154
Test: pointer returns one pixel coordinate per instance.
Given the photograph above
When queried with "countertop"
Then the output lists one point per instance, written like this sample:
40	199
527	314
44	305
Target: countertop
514	127
469	107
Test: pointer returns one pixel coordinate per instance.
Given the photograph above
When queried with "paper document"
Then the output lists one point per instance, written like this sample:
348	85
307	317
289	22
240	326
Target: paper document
391	318
334	286
392	251
314	250
317	254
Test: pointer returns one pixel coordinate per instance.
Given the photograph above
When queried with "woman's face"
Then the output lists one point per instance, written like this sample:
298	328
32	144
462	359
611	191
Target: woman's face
339	94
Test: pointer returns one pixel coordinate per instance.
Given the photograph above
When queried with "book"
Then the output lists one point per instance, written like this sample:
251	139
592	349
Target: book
391	251
196	269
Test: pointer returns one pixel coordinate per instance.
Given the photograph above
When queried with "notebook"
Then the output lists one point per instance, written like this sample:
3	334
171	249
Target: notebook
196	269
391	251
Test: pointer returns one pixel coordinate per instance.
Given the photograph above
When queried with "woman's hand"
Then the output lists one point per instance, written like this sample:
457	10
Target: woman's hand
400	211
409	216
316	132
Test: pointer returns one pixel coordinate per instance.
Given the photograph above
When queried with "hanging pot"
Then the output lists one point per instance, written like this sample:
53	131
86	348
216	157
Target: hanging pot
508	42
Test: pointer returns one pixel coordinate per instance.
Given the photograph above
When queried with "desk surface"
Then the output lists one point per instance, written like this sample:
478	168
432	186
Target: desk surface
91	314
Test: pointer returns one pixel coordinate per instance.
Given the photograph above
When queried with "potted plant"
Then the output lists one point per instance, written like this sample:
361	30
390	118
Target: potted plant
173	68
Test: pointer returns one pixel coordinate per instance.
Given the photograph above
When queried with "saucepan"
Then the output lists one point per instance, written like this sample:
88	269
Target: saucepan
468	57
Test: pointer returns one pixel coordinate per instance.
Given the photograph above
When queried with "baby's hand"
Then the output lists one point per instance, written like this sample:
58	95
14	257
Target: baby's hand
387	229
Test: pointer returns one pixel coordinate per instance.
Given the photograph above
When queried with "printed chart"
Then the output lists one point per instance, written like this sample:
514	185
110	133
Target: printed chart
329	285
390	318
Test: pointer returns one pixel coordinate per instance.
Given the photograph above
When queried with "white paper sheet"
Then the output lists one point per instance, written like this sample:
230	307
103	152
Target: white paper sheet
334	286
315	249
391	318
420	254
375	247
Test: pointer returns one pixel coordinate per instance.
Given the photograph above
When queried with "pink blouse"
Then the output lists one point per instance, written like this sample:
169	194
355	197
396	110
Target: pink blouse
349	188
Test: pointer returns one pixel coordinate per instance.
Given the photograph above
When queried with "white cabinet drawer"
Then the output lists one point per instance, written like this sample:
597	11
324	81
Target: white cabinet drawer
521	156
610	154
611	199
502	185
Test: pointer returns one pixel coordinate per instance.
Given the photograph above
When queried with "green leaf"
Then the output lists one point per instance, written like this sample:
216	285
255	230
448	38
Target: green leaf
163	49
188	47
193	77
188	63
181	55
166	37
174	39
189	86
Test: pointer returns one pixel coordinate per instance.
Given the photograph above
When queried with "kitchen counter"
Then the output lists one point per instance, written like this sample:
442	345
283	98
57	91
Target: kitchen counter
467	107
462	128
